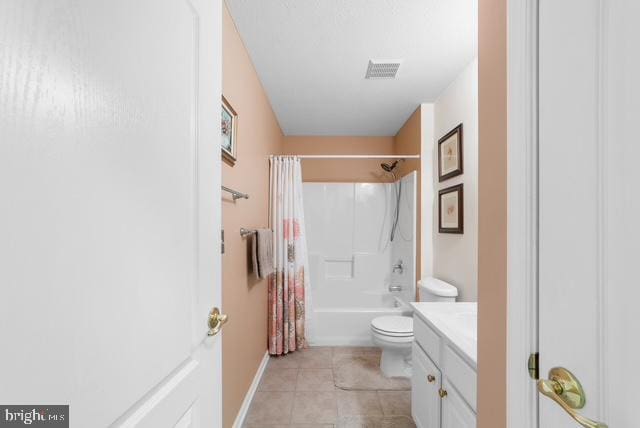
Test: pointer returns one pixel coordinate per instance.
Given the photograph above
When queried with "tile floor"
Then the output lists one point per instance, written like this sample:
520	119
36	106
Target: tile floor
298	391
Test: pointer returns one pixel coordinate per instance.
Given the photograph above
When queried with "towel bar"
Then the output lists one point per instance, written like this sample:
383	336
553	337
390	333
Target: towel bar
246	232
235	194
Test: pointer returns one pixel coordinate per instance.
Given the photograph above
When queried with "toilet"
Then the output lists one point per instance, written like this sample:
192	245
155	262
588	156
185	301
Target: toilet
394	334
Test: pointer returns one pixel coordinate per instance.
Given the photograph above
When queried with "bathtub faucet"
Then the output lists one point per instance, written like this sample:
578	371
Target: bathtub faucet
398	267
395	288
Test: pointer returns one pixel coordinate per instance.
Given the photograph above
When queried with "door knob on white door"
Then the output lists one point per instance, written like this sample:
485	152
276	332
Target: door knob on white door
565	389
216	321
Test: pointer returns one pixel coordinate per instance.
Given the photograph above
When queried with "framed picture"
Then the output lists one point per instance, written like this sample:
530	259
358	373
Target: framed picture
450	154
451	210
229	131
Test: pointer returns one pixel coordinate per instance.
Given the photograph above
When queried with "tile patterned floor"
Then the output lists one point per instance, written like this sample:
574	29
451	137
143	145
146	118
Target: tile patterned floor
298	391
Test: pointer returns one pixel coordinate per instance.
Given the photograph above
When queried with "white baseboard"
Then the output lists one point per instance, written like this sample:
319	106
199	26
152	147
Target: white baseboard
244	409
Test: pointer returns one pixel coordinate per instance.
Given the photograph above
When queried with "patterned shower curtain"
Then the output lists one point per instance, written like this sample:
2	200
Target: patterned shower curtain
288	283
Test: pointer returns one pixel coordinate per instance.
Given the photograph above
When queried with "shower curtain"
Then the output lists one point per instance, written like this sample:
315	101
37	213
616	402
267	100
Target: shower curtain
288	284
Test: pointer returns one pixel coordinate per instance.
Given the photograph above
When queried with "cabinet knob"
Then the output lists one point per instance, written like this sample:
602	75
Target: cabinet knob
442	392
431	378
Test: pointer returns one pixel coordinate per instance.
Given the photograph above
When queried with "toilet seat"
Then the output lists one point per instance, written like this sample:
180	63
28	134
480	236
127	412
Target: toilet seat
393	326
385	341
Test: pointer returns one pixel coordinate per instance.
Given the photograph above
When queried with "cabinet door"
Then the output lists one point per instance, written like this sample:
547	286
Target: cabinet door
455	412
425	383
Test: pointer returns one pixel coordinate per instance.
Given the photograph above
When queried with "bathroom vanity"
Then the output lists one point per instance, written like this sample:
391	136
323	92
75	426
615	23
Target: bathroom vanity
444	365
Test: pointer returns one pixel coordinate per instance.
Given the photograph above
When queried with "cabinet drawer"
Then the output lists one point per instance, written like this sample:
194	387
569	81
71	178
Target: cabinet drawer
427	339
461	375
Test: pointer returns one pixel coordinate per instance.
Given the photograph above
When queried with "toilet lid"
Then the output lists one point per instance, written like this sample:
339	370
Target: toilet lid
394	325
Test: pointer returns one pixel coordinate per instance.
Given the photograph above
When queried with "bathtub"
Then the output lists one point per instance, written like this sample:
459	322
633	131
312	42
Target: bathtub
350	326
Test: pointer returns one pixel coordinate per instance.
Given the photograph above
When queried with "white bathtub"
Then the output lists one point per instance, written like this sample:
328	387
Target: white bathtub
350	326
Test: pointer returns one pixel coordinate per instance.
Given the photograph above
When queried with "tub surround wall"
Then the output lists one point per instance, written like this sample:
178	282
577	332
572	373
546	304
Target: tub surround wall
348	227
455	257
405	244
408	141
244	298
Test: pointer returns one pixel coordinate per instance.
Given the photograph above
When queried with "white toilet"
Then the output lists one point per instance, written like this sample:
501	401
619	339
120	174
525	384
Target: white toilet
394	334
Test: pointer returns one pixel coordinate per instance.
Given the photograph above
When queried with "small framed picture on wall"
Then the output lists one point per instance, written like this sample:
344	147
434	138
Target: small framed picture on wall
450	154
228	131
451	209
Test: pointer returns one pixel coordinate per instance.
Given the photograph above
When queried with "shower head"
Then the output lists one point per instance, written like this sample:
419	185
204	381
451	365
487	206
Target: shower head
389	167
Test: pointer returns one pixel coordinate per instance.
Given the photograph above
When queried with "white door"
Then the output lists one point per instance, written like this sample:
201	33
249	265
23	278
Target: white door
589	212
109	217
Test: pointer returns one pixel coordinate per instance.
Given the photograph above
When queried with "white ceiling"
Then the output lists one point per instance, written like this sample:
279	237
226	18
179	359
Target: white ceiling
312	55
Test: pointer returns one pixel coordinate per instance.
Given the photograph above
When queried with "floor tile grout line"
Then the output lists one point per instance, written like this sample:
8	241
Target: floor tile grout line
380	403
335	401
295	395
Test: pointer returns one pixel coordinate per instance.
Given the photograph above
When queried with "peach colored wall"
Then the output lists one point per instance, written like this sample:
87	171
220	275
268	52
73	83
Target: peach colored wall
492	214
408	141
339	170
244	298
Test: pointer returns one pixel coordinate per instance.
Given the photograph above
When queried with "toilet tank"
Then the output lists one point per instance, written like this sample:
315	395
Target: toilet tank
436	290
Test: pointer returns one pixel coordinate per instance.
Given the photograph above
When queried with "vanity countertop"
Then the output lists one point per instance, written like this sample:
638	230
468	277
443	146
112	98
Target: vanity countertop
456	322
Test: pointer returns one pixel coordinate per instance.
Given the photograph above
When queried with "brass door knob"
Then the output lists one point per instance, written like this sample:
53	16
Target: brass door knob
431	378
442	392
216	321
565	389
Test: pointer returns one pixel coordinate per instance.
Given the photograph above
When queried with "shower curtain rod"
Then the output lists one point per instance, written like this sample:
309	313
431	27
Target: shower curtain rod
355	156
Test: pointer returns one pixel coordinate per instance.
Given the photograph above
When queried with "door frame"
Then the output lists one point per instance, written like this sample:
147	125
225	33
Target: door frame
522	209
523	30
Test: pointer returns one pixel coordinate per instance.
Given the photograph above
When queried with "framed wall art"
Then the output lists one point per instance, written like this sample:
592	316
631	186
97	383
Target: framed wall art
229	131
451	209
450	154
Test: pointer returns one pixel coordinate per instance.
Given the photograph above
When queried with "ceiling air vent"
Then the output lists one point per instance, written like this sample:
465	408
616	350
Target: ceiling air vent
382	69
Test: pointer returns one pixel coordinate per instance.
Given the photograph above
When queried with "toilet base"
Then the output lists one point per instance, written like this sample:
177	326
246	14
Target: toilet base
394	363
396	358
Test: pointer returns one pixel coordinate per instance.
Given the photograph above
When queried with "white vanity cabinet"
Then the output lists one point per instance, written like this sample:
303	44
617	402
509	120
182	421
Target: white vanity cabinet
443	382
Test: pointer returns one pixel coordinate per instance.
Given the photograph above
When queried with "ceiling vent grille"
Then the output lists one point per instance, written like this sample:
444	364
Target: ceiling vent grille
382	69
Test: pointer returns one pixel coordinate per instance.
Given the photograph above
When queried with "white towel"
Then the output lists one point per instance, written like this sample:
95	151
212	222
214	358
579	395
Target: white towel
262	253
